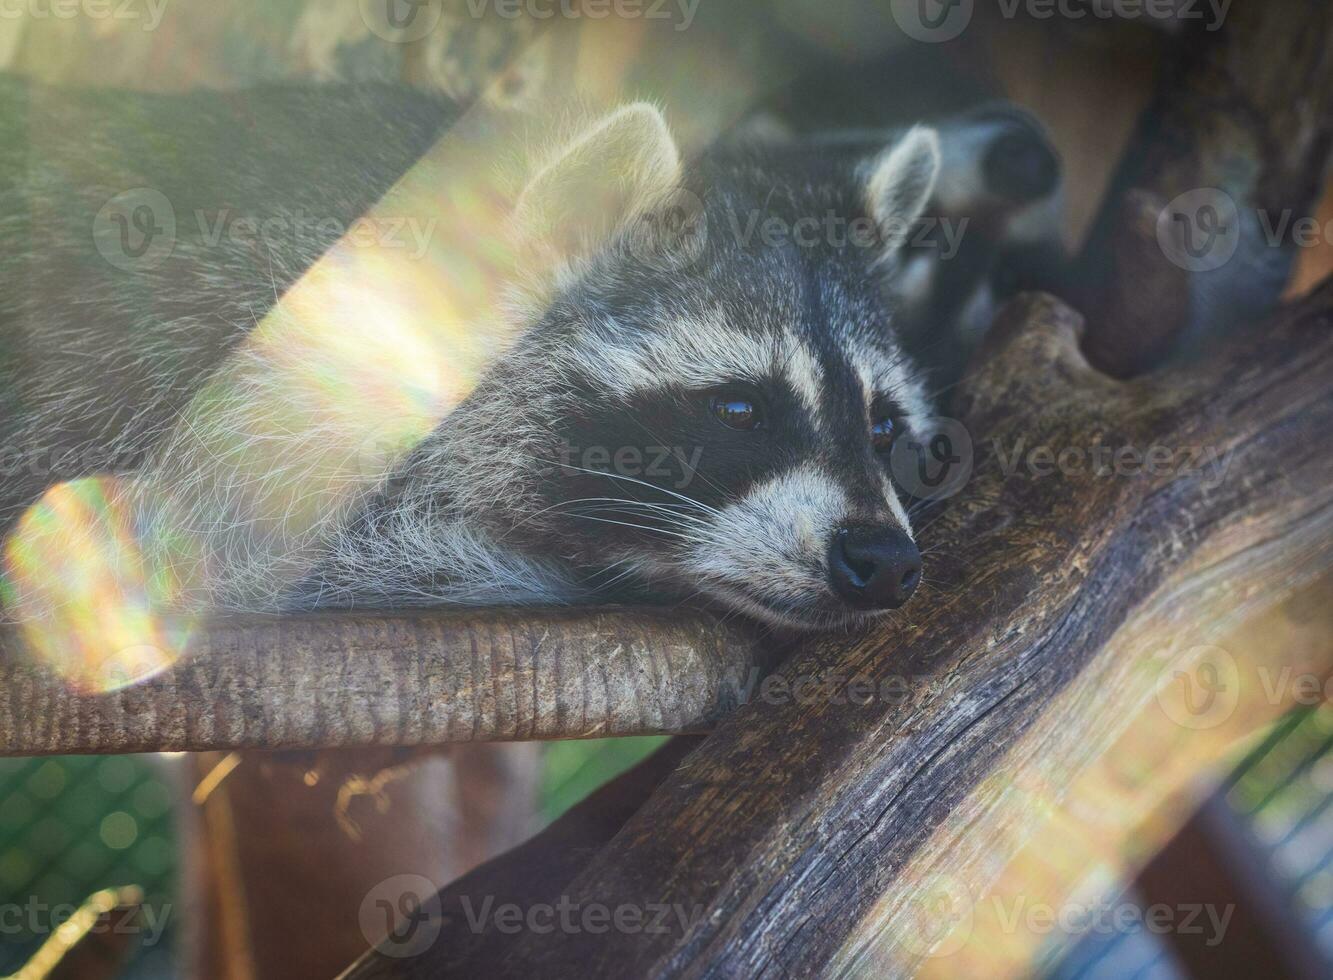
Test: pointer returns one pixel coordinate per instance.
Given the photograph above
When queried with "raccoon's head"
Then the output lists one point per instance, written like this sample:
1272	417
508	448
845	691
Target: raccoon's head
704	404
707	400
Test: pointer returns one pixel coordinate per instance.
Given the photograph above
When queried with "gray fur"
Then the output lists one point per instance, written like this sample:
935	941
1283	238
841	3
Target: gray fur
626	337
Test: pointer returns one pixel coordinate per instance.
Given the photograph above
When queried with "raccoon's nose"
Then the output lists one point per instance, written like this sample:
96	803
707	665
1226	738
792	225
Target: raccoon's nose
1020	164
874	567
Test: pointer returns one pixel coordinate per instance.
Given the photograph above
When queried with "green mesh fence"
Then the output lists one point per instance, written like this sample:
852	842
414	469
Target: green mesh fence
70	825
571	770
1283	791
73	824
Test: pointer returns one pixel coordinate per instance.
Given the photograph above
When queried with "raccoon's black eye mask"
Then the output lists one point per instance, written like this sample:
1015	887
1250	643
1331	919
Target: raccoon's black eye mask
743	409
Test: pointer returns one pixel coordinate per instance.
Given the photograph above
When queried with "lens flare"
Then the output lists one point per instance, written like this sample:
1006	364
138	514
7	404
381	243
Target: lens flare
86	601
359	361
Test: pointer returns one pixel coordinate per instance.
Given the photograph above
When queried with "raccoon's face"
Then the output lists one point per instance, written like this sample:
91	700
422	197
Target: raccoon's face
712	413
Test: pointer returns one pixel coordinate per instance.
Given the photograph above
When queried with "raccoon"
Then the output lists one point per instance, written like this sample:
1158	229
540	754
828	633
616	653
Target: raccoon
705	413
993	228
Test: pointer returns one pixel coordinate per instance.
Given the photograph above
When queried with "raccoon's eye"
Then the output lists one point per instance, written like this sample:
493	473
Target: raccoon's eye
882	434
735	410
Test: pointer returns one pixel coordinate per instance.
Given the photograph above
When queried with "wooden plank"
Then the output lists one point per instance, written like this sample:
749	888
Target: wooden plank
454	927
1216	862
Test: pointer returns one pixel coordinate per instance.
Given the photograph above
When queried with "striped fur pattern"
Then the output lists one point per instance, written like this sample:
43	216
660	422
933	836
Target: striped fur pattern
522	484
589	464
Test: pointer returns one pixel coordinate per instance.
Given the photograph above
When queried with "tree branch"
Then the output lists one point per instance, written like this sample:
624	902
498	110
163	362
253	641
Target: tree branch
1071	594
1196	236
328	680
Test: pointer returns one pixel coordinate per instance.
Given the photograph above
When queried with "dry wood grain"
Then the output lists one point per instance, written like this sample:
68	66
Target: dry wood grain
1079	830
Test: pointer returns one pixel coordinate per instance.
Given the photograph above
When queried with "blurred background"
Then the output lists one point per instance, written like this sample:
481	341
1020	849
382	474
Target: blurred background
1228	810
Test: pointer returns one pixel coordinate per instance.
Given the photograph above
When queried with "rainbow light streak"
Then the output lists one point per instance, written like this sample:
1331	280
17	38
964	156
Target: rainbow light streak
74	567
359	361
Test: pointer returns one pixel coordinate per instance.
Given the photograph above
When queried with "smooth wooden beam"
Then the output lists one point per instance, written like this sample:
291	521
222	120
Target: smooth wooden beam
332	679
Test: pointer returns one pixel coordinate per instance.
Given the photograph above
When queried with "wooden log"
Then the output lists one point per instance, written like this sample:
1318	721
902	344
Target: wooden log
1131	800
1114	817
813	833
330	680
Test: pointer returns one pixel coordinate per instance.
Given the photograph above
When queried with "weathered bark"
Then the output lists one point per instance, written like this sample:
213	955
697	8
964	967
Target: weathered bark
1197	235
1069	593
331	679
1143	786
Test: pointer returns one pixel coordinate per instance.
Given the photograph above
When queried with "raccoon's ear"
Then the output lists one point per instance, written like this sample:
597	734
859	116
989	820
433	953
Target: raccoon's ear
596	182
902	178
